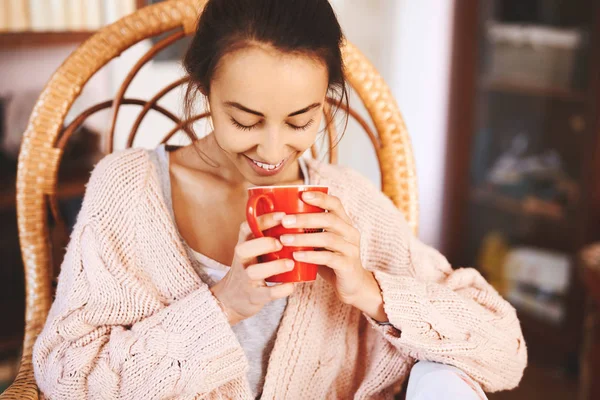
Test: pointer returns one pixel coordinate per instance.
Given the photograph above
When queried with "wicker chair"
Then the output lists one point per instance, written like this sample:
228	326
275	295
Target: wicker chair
45	139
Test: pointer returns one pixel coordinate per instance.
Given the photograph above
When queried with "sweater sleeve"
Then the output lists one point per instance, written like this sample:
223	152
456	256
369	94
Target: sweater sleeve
109	336
439	314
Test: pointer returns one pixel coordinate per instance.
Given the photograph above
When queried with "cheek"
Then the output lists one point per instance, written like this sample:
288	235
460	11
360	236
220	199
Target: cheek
300	140
230	138
304	139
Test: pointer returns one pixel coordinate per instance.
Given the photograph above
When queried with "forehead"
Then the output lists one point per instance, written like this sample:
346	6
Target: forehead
270	81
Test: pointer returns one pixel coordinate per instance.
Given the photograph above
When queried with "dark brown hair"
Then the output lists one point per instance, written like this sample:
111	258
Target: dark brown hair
292	26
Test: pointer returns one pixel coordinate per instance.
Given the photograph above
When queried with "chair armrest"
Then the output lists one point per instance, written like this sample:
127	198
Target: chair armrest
24	386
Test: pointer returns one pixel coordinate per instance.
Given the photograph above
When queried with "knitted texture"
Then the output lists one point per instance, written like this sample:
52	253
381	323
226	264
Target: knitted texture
132	320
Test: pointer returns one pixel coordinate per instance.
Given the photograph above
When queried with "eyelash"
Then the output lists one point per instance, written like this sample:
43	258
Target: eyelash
303	127
242	127
247	128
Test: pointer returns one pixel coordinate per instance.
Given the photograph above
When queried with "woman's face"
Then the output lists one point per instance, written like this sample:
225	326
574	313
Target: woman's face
266	109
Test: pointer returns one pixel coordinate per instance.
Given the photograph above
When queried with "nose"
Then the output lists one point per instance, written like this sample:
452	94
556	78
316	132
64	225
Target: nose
271	148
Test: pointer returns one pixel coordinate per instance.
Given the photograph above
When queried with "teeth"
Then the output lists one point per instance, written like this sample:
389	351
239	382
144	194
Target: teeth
268	167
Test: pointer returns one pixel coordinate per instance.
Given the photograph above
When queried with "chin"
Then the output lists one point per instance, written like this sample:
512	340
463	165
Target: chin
270	182
256	180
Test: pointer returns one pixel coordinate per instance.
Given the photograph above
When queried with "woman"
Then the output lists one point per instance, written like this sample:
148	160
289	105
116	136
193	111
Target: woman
161	294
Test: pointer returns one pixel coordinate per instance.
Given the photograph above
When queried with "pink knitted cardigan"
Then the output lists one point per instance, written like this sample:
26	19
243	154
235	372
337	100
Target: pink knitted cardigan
132	320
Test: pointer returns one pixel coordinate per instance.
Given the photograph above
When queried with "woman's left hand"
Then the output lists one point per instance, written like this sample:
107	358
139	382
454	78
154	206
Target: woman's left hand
339	262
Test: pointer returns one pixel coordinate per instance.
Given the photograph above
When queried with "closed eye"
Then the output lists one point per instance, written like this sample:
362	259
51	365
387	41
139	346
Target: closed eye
243	127
303	127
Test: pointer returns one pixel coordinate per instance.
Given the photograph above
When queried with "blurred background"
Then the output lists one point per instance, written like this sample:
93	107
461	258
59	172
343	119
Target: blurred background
501	98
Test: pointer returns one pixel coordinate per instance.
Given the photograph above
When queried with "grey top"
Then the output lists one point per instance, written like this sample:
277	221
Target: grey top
255	334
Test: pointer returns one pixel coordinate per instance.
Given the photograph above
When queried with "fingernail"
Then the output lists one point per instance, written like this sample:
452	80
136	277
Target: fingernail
286	239
278	216
289	220
290	264
298	255
279	245
308	195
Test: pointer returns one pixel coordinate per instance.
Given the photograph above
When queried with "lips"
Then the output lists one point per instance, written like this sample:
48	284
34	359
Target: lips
264	169
268	167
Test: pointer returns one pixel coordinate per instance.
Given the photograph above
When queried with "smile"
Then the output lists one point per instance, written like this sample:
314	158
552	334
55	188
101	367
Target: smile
268	167
265	169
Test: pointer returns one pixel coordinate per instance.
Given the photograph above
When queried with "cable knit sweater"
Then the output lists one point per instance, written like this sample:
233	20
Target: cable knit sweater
132	320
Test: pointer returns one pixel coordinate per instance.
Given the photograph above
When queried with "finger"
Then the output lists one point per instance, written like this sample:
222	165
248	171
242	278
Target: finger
271	220
329	222
332	260
327	202
247	252
327	240
265	221
266	294
245	233
260	272
280	291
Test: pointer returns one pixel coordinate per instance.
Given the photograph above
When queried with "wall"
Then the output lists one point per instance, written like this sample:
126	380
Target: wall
409	42
23	75
30	70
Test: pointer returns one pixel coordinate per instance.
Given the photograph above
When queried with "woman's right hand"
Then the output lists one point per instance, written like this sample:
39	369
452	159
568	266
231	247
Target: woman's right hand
242	292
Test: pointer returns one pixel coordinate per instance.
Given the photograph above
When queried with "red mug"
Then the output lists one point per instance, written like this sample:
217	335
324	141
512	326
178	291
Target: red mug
287	199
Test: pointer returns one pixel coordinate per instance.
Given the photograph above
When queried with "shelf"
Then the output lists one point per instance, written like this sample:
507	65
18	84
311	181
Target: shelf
530	207
551	312
591	280
29	39
532	90
541	335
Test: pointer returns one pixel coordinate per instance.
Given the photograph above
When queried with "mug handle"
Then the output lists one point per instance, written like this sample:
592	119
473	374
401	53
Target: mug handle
251	212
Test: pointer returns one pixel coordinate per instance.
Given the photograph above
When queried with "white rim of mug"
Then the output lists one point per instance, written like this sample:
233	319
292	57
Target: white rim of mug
288	186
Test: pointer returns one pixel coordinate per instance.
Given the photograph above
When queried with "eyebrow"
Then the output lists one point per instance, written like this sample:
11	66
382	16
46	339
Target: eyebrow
250	111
